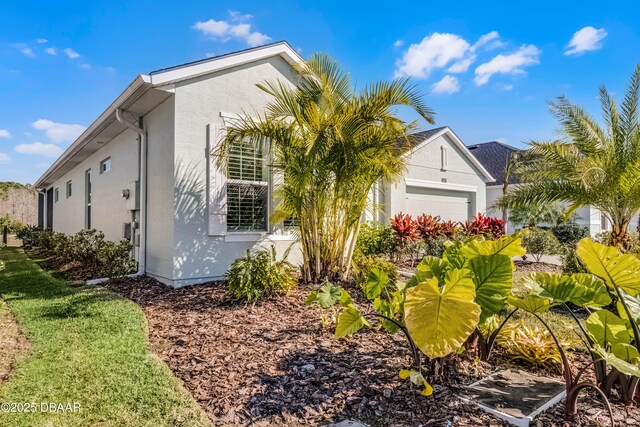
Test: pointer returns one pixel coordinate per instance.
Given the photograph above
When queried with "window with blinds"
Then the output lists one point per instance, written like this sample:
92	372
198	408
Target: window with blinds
247	189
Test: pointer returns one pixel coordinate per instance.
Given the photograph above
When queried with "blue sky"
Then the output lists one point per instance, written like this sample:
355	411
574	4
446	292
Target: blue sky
486	68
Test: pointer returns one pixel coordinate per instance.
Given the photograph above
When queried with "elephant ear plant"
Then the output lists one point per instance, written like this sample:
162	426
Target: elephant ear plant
442	305
612	339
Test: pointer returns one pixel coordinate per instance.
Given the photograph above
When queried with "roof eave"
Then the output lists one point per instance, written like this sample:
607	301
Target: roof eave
140	81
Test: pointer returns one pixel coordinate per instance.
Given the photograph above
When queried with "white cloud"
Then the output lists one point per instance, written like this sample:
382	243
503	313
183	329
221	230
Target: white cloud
72	54
434	51
42	41
586	39
512	63
51	51
398	43
85	66
5	133
502	140
462	66
39	149
4	159
239	29
239	17
448	84
25	49
507	88
58	132
485	40
439	50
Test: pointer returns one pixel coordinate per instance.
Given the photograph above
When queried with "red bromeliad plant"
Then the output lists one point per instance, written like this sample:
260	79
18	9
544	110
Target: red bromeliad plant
450	228
483	226
429	226
405	228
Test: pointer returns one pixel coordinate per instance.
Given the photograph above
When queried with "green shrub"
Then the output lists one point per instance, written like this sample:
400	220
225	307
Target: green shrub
375	239
29	234
364	265
259	273
115	259
569	233
570	261
539	242
85	246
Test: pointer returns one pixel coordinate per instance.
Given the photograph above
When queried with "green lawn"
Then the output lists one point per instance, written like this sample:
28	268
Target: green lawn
87	346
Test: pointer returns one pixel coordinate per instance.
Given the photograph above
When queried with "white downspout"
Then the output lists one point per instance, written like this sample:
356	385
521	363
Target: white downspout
142	253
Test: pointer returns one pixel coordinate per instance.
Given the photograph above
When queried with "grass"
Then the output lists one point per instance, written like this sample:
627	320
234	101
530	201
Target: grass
87	346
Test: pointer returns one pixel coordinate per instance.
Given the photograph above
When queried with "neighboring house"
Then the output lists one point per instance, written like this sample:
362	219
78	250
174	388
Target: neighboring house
143	170
494	156
442	178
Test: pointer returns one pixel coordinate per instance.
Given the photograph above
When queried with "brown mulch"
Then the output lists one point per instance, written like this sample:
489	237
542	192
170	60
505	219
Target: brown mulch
535	267
272	364
13	344
73	271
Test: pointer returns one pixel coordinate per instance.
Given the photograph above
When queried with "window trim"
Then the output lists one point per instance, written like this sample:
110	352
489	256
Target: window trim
69	189
56	194
104	162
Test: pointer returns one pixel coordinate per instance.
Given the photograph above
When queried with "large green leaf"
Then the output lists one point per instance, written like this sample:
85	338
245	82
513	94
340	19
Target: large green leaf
607	329
376	282
507	245
633	303
328	295
616	269
579	289
594	294
531	303
350	322
493	277
429	267
626	352
441	319
453	255
621	365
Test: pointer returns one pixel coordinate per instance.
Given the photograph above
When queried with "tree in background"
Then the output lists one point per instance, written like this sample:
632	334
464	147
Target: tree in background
329	144
589	164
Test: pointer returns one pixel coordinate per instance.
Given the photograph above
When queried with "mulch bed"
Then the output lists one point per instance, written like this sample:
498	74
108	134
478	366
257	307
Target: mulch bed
272	364
535	267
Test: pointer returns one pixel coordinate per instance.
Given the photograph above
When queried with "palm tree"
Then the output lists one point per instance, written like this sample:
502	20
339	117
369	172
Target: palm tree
328	145
589	164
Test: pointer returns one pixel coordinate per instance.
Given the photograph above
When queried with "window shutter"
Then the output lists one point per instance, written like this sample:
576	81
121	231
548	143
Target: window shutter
217	184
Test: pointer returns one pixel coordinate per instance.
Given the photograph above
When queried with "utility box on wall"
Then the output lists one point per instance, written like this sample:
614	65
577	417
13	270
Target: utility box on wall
132	195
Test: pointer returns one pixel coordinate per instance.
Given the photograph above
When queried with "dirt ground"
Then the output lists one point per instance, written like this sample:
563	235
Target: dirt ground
13	344
271	363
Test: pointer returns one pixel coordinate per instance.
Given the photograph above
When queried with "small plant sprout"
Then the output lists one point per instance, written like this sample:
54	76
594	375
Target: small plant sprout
326	299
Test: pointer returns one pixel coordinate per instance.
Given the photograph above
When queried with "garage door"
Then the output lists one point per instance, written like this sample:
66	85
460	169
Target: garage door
449	205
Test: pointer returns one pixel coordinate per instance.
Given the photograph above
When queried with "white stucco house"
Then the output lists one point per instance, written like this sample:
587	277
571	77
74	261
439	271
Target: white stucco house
143	171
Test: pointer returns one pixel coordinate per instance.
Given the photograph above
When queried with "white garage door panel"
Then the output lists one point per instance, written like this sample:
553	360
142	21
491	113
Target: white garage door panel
449	205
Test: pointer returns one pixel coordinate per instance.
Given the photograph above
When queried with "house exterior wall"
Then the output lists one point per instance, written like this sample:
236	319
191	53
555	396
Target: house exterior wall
107	205
108	208
424	170
199	256
159	124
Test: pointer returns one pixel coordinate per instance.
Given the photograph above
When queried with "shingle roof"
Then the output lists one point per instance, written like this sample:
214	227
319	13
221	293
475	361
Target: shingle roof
418	137
493	156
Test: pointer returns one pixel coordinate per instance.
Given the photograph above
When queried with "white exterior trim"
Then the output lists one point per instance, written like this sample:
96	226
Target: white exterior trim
440	185
189	71
463	148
